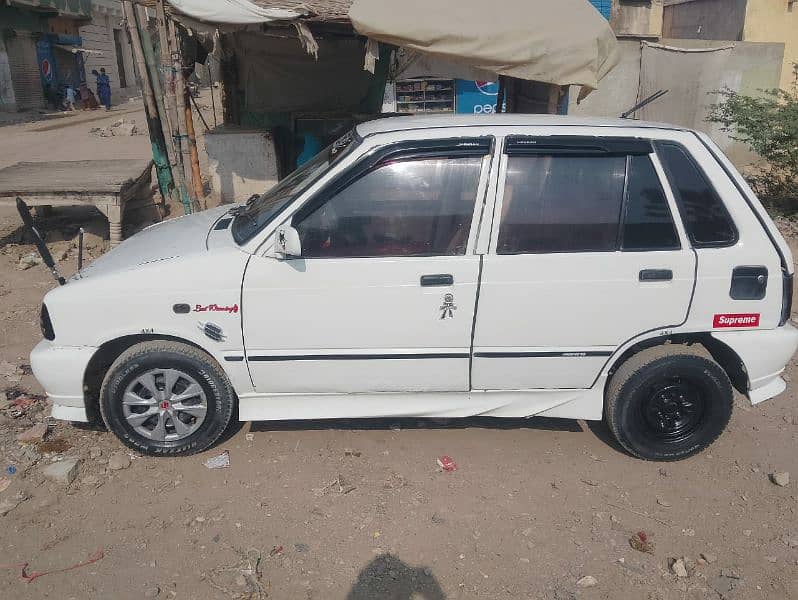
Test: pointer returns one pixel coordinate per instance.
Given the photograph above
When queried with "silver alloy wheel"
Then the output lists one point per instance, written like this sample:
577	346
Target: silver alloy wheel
164	405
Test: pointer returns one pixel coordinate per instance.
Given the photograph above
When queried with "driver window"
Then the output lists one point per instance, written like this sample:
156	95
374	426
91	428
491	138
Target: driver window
405	207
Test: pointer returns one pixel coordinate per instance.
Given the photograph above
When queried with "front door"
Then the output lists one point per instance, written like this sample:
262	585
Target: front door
382	298
584	255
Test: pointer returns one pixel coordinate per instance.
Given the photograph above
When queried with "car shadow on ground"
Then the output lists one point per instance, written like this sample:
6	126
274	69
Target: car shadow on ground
597	428
390	578
602	432
542	423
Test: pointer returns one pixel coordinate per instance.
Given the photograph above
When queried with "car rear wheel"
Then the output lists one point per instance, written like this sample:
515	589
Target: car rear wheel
166	398
668	403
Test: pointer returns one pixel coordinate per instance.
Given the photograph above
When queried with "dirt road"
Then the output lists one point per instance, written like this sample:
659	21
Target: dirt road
360	510
70	137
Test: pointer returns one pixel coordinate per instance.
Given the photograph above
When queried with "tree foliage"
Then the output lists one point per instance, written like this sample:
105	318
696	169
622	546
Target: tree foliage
768	124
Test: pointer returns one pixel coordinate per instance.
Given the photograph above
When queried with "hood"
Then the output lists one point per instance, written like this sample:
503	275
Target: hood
163	241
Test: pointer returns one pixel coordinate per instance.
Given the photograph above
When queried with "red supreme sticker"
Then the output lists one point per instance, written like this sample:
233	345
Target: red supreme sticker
736	320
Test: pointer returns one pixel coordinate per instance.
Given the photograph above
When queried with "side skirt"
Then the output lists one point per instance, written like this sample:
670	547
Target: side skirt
569	404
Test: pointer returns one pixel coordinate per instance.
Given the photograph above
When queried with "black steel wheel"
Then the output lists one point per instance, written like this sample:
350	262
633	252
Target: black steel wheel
668	403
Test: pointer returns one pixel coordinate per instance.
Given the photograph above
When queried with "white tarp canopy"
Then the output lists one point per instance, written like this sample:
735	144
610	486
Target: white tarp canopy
563	42
234	12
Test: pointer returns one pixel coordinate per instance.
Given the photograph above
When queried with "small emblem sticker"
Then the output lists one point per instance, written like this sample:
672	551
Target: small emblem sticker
447	308
736	320
232	309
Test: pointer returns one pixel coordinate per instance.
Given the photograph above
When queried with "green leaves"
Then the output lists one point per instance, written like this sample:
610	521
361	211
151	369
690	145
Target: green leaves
768	124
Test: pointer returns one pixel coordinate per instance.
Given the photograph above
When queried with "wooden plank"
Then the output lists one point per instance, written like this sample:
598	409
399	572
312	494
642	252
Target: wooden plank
72	177
44	199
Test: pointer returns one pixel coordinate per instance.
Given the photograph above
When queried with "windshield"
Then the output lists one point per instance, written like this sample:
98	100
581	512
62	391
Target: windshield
259	213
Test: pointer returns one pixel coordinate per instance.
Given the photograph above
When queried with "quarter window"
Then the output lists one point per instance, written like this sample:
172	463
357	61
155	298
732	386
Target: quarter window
705	217
647	222
561	203
418	207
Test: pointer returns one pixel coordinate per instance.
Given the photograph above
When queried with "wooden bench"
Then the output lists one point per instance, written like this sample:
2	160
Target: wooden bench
106	184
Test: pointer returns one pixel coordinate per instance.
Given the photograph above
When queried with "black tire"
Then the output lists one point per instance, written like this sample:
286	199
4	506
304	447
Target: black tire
196	364
668	403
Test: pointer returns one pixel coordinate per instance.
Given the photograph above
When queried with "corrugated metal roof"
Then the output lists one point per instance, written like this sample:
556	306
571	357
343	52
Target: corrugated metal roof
320	10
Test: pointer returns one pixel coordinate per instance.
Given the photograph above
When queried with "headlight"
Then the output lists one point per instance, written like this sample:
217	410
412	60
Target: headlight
46	324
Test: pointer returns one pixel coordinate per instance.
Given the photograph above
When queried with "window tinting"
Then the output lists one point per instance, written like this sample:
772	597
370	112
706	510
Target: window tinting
647	223
561	204
402	208
705	217
260	212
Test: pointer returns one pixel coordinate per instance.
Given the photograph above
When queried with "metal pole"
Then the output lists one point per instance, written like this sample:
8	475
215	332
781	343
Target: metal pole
160	154
168	78
199	113
182	171
155	81
174	91
213	100
183	92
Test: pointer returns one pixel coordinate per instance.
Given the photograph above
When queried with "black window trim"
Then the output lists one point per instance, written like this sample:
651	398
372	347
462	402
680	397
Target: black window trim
460	147
576	145
588	146
698	245
625	203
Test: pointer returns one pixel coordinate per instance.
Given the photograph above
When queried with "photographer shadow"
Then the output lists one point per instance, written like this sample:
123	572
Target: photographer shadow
389	578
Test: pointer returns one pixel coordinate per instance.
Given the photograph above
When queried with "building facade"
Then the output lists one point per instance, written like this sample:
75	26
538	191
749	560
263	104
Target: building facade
38	39
738	20
108	40
46	45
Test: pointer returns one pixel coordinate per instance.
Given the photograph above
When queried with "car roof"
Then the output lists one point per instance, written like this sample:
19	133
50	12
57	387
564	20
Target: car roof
415	122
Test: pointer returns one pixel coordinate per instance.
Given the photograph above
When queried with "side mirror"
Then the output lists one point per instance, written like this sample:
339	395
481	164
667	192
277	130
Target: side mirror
288	244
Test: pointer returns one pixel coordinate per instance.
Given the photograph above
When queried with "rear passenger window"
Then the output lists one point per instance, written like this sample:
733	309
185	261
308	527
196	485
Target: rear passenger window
561	203
647	222
705	217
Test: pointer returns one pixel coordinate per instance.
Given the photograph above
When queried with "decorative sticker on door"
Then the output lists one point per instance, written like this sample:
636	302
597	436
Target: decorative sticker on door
447	308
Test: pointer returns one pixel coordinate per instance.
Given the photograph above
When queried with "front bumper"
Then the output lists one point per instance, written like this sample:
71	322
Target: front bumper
60	371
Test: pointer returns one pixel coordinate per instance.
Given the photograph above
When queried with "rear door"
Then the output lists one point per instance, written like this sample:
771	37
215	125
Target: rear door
584	255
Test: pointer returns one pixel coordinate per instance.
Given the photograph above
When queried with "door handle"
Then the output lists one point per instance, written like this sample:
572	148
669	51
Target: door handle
656	275
437	280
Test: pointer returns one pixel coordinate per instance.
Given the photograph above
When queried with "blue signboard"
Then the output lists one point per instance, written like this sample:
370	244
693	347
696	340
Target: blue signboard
603	6
48	69
475	97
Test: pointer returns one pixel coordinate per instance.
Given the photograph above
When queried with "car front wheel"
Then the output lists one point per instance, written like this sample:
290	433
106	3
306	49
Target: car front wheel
166	398
668	403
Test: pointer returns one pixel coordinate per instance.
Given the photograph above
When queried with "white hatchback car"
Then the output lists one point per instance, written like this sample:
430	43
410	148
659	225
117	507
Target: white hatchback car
509	266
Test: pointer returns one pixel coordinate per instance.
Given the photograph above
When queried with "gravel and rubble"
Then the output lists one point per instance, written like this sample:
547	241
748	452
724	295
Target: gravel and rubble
120	128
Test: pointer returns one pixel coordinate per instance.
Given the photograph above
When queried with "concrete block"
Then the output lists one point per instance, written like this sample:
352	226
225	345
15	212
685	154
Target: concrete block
241	162
63	471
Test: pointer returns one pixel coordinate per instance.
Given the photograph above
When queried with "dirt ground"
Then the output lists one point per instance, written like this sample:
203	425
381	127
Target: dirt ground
359	510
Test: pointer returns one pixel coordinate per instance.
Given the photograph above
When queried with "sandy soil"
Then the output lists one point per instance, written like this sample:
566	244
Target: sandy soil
360	509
